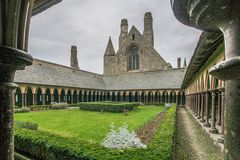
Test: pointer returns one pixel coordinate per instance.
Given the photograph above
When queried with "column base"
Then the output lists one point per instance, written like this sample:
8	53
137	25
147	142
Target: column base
202	120
207	124
198	117
221	140
213	130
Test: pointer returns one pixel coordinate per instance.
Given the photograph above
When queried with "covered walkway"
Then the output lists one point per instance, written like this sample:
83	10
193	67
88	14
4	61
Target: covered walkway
192	143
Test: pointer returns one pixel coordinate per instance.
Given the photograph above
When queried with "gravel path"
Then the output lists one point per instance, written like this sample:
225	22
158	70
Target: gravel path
191	142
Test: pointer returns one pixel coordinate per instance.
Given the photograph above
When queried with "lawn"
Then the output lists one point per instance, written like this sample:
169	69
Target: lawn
85	125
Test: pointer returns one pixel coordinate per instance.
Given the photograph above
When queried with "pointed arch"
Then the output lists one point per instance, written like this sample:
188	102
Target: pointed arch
133	58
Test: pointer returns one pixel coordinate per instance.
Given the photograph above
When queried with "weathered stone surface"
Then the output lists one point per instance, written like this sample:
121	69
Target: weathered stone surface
149	58
46	73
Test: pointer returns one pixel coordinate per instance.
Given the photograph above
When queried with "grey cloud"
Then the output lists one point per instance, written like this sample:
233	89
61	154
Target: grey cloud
89	23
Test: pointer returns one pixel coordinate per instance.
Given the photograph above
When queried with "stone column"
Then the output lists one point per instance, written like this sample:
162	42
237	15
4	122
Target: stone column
195	104
23	98
219	109
223	112
181	99
207	124
34	99
199	105
177	99
52	97
213	126
71	98
165	98
15	20
203	108
43	99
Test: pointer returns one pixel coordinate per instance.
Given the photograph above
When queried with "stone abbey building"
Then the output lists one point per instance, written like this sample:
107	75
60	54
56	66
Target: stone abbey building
136	72
136	51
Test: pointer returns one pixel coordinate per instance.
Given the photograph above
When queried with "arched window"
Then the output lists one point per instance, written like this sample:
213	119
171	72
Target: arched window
133	58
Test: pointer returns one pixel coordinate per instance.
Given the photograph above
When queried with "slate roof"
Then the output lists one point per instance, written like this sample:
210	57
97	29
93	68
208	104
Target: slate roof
51	74
46	73
207	44
165	79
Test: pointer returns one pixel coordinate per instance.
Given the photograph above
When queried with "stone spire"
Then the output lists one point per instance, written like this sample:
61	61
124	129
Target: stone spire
123	32
74	59
110	49
148	28
185	63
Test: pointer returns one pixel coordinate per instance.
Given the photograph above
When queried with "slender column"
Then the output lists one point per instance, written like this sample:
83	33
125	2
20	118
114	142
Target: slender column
43	99
207	124
71	98
59	98
223	112
33	99
199	106
23	97
177	99
219	109
194	104
165	98
203	108
52	97
213	126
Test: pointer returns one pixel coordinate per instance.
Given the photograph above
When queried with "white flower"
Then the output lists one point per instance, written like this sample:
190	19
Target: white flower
122	138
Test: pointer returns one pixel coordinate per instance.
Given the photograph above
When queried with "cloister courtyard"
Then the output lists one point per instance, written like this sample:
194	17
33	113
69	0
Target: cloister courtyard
136	104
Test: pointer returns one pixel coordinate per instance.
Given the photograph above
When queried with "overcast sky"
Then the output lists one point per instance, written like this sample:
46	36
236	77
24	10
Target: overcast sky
89	23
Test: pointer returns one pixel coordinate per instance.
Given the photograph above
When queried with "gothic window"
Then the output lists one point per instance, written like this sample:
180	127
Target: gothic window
133	62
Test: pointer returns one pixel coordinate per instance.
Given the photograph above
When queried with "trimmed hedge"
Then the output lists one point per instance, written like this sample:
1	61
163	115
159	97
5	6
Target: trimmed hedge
107	106
154	103
44	145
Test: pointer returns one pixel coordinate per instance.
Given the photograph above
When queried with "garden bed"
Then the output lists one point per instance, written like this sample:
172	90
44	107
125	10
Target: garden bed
46	145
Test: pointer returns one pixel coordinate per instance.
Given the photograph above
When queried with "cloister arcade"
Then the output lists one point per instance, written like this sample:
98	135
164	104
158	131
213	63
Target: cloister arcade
206	99
27	95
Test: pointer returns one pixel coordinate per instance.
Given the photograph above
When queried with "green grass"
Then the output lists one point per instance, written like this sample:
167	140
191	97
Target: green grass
85	125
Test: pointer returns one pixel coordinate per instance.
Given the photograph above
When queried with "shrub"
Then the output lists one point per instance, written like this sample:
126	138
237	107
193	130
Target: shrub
16	107
107	106
27	125
44	145
62	105
122	138
22	110
39	107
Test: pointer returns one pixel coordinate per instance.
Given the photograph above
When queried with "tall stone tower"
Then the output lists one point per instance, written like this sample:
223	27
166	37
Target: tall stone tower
109	57
74	59
148	28
124	32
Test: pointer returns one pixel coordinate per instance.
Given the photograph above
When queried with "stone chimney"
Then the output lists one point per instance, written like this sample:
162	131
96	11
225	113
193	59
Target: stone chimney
148	28
185	63
74	59
178	62
124	32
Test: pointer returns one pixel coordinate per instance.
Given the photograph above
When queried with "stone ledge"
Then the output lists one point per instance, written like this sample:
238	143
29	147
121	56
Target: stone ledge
214	137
